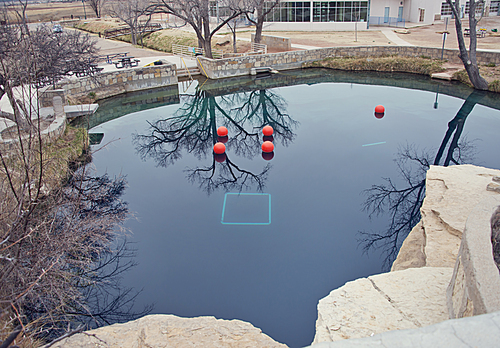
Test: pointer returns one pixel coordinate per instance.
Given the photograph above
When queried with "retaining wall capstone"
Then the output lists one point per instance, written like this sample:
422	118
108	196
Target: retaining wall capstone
275	42
229	67
109	84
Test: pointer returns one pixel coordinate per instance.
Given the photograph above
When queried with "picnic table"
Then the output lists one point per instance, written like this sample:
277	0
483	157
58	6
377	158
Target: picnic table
89	70
125	62
480	32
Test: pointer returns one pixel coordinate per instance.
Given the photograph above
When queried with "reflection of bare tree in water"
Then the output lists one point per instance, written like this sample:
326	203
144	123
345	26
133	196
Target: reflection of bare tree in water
403	204
193	129
68	264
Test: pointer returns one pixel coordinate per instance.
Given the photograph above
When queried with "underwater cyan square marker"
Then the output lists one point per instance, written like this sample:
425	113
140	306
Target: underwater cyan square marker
246	209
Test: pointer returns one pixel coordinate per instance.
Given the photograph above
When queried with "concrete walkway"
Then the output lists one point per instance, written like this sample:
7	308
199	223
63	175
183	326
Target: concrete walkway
391	35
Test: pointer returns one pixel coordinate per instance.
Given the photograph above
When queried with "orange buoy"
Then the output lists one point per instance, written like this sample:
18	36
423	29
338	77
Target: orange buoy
379	109
267	146
222	131
219	148
268	130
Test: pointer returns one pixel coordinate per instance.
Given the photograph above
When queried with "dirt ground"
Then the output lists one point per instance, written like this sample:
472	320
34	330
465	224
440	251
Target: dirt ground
427	36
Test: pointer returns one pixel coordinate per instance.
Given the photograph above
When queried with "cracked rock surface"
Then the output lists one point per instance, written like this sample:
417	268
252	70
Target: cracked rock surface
405	299
171	331
473	332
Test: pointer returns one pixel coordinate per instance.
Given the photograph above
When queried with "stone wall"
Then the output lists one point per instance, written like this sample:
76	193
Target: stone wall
50	133
222	68
275	42
47	96
112	83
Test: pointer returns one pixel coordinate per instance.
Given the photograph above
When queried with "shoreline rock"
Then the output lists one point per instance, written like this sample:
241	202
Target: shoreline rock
414	294
162	330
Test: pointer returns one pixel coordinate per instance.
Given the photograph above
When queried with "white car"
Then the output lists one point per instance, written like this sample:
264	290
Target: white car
57	28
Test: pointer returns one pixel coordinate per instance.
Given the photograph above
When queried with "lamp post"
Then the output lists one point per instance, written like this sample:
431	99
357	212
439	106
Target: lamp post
84	12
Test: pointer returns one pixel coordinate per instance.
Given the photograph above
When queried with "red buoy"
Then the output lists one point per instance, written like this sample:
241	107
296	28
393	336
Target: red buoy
379	115
379	109
267	146
219	148
222	131
267	130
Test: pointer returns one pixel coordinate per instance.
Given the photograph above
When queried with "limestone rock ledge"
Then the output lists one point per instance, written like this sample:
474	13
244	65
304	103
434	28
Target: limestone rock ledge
414	293
162	330
451	195
405	299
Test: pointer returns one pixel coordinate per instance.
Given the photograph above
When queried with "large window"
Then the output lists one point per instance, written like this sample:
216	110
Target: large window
340	11
446	9
289	12
494	5
223	11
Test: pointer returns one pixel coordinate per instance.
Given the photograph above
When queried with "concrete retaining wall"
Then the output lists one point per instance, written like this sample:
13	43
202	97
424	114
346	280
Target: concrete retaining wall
222	68
49	134
275	42
475	285
47	96
112	83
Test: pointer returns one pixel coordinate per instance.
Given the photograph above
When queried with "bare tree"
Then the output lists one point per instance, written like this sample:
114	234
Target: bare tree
37	58
97	6
130	12
261	8
197	14
469	58
193	129
56	226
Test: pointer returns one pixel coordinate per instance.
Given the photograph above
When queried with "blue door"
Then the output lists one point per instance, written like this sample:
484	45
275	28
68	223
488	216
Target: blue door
386	15
400	14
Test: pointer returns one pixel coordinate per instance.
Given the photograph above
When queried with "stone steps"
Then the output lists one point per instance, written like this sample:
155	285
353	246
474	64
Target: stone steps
188	71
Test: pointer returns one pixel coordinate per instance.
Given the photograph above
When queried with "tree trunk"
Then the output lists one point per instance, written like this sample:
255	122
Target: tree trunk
469	59
235	50
207	38
258	27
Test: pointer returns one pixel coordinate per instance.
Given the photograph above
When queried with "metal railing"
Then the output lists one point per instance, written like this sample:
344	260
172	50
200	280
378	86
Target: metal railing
258	48
115	32
187	51
387	21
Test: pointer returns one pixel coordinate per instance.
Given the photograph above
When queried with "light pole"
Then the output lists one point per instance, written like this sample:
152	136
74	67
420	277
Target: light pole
84	12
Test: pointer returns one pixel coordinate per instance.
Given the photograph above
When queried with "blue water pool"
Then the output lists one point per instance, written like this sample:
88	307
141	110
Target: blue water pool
263	240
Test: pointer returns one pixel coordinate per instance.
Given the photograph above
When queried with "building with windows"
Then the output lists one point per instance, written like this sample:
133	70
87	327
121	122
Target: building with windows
349	15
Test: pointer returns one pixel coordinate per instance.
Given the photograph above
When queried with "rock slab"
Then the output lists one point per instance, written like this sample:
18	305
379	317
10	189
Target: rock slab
162	330
451	194
405	299
479	331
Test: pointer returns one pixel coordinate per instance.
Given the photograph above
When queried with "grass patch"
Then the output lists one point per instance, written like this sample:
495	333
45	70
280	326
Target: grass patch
419	65
494	86
462	77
